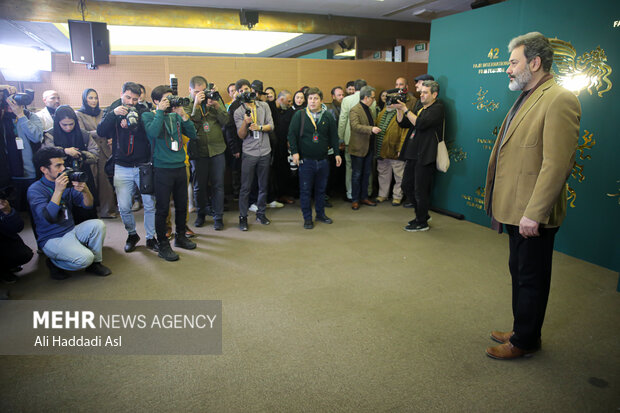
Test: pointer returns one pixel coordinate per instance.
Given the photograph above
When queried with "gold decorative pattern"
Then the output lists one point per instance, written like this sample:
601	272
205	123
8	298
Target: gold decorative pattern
587	71
457	154
481	103
577	172
616	194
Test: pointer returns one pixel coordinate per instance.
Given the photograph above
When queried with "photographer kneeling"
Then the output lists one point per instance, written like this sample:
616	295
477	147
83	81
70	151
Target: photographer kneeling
165	128
69	247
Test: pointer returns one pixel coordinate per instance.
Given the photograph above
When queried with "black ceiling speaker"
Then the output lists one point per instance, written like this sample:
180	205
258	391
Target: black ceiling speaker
90	43
479	3
248	18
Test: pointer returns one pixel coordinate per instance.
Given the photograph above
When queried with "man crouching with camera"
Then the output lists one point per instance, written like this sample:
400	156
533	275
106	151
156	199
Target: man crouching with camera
69	247
165	129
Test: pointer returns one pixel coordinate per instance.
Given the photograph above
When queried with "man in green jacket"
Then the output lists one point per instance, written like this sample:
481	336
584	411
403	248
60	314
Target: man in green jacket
309	149
206	153
165	129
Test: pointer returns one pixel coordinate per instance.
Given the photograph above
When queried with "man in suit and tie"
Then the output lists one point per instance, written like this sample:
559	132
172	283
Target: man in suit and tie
526	185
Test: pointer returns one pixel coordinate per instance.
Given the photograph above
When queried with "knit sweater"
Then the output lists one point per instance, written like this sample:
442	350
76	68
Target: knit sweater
306	145
164	131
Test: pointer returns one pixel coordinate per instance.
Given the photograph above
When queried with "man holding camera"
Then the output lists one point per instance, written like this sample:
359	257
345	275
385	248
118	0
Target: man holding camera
253	121
131	149
52	198
22	134
206	153
165	129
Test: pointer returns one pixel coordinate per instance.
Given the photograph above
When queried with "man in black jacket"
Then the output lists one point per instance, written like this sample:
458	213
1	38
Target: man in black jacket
121	123
420	151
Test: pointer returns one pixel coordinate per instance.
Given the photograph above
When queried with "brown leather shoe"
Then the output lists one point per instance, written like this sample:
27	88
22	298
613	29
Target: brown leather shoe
355	206
501	336
368	202
507	351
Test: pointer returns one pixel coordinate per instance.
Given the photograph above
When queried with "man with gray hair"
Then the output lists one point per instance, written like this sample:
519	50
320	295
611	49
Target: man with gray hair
361	146
344	129
526	185
51	99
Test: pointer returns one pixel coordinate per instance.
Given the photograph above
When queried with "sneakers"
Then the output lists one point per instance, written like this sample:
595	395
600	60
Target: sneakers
380	199
200	220
218	224
56	273
182	241
275	204
416	227
189	233
243	223
324	218
428	219
262	219
165	251
131	242
151	243
8	277
409	205
396	202
308	224
253	208
99	269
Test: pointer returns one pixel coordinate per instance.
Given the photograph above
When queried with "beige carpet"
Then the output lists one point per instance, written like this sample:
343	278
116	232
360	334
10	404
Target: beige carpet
357	316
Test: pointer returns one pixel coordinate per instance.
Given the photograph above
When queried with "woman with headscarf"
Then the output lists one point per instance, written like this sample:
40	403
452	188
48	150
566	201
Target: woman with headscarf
381	101
299	100
80	148
89	116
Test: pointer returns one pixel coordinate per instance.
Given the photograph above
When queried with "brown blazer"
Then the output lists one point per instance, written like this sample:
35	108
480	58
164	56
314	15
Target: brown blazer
361	130
527	175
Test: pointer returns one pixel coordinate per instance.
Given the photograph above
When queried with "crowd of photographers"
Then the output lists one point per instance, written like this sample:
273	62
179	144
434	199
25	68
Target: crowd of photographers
70	169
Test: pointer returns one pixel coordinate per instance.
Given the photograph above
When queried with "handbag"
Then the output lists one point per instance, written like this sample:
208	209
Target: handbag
147	176
443	159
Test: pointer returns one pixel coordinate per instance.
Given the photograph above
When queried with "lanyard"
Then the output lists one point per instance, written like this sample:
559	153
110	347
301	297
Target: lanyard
169	121
311	116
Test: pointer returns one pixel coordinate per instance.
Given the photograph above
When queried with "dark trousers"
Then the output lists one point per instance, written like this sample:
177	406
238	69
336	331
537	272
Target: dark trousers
313	175
254	166
209	171
20	202
170	181
360	173
530	268
417	185
13	253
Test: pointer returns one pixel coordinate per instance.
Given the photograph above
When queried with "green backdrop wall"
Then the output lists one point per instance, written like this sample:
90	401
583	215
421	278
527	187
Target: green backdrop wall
469	57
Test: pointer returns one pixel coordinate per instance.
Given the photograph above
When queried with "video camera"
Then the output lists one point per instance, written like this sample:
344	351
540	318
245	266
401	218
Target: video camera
22	99
246	97
395	95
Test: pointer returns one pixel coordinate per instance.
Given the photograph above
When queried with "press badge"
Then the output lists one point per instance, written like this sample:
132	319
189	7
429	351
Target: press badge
65	212
174	146
256	134
20	143
206	127
315	138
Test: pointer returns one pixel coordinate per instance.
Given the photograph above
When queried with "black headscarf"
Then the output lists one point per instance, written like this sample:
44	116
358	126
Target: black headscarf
303	106
73	139
85	107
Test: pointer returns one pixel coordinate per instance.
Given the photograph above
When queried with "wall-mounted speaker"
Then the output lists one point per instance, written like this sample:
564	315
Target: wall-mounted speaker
90	42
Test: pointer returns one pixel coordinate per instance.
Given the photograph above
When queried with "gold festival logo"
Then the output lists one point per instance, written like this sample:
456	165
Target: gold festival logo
577	172
482	103
587	71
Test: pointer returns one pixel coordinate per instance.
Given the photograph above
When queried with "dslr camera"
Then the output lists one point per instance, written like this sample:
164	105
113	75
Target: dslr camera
212	94
22	99
176	101
394	97
75	176
132	116
246	97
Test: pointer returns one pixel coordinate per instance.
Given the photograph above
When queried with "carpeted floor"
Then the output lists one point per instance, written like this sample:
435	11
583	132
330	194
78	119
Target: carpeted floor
357	316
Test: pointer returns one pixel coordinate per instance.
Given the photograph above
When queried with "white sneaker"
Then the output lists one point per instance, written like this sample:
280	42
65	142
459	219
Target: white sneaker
253	208
275	204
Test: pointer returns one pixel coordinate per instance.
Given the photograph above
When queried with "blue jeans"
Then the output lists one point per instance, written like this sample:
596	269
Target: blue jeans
313	175
126	181
359	176
78	248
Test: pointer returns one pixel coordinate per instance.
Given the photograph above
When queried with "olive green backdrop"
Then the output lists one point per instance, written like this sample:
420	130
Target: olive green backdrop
468	57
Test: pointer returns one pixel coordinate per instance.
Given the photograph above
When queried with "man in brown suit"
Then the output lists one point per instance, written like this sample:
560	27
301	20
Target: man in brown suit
361	146
526	185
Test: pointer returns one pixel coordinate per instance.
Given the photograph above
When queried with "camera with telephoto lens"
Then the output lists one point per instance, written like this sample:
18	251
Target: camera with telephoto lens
393	98
75	176
132	116
246	97
22	99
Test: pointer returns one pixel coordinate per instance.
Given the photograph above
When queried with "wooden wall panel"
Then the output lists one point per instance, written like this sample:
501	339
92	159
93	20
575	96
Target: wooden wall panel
71	79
